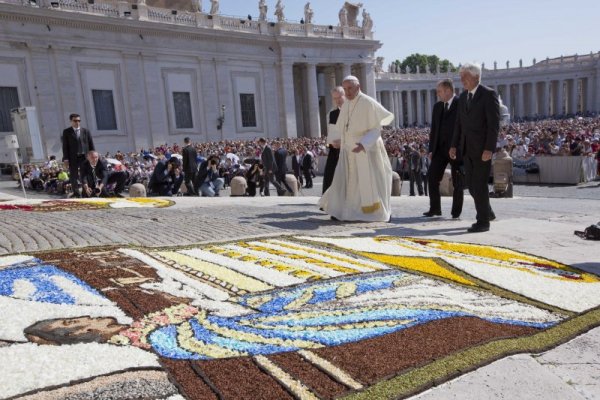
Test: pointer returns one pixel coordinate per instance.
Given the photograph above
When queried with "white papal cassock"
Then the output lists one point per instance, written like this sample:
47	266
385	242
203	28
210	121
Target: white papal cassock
362	184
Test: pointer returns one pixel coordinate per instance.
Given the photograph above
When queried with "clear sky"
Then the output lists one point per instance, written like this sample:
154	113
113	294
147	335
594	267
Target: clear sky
462	30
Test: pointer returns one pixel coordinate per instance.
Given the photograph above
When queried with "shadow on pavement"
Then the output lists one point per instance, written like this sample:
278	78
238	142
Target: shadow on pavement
593	268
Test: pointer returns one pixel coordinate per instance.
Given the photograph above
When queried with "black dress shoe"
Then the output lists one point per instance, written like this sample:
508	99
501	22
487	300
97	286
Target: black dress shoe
455	216
492	217
432	213
478	228
333	218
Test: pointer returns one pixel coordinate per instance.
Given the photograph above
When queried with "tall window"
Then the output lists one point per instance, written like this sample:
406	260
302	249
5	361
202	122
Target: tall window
9	99
104	106
248	110
183	110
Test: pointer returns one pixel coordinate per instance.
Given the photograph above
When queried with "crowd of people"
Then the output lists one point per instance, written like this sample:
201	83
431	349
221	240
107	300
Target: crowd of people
550	137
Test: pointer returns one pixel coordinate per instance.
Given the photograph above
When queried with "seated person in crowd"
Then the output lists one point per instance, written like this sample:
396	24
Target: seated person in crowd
96	178
209	180
166	178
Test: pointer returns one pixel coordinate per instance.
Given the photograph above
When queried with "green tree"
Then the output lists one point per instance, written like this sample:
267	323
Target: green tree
421	61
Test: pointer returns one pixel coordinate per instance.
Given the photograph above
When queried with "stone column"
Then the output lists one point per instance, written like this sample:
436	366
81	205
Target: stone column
368	70
287	94
597	88
394	109
419	107
521	101
546	96
428	107
590	100
560	98
346	70
507	100
47	97
379	97
313	101
397	109
533	100
392	104
400	109
137	109
573	98
411	115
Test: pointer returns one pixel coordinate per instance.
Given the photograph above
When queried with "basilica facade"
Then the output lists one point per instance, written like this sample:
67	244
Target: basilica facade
142	75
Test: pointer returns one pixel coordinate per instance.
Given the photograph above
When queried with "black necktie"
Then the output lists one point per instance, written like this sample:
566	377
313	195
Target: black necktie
469	98
445	107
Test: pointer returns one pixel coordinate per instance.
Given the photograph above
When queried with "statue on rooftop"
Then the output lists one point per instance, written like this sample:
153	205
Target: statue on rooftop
343	17
197	5
279	11
262	10
214	8
367	22
308	13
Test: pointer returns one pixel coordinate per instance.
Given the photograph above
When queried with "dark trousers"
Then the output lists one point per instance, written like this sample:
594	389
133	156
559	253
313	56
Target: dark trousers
268	179
308	177
251	189
190	179
477	174
425	183
168	188
332	160
415	177
439	162
117	178
75	172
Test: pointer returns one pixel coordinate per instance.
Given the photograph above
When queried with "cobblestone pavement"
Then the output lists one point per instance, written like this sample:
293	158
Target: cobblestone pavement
539	220
200	220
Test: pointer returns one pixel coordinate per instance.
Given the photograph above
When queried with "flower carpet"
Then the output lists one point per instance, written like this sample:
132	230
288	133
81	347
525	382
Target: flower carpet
278	318
85	204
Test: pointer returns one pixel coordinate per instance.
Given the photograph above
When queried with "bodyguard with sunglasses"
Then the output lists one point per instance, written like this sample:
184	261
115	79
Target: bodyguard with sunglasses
76	142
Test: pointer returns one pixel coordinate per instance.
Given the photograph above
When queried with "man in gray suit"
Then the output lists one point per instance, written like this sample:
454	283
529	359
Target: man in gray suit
475	135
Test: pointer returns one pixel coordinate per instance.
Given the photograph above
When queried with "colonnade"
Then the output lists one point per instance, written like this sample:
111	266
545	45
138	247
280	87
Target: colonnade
548	89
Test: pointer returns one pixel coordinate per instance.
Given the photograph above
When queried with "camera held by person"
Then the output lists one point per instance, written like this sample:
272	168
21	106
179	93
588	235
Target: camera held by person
166	178
97	178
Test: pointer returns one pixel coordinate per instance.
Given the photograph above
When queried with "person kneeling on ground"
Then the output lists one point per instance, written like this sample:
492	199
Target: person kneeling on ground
209	179
96	178
166	178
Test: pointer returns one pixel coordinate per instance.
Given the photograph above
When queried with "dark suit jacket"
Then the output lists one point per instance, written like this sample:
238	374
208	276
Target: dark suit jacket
160	176
267	159
476	129
280	160
87	173
296	164
190	166
442	127
70	145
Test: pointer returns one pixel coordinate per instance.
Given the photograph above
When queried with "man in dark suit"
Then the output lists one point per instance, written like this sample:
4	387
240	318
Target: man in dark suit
269	167
334	138
166	178
281	155
443	120
190	166
76	143
95	178
476	134
297	156
414	170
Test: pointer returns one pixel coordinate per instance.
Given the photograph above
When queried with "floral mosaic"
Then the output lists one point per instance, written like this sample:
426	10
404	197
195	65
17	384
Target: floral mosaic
304	317
85	204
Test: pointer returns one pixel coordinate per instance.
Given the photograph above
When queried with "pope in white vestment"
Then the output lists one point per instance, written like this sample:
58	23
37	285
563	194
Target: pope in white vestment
362	183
